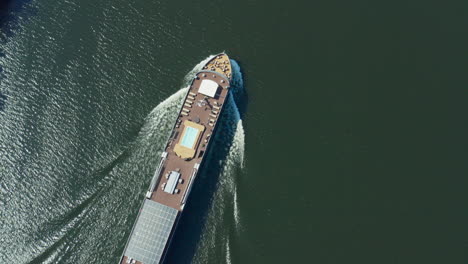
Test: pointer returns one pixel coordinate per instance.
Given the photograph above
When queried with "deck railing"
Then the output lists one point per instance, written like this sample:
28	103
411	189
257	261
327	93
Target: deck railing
189	187
156	175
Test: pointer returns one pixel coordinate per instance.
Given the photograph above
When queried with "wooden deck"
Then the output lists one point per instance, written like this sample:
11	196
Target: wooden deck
202	114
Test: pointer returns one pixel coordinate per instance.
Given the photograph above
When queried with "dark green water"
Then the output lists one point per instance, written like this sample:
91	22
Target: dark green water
351	146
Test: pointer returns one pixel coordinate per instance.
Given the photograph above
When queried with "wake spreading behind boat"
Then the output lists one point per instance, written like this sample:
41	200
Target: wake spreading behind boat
180	163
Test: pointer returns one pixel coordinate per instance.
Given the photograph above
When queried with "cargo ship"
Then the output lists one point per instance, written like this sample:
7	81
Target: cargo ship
181	161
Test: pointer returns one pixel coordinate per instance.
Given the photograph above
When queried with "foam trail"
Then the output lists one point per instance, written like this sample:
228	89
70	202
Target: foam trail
228	252
159	120
236	210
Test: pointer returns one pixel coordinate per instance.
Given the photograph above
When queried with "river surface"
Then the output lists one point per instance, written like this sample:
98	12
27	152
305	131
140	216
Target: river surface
345	140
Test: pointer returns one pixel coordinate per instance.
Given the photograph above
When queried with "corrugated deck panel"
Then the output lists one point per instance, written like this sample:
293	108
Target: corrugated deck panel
151	232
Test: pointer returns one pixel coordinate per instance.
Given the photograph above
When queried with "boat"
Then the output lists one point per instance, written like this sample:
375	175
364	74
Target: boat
181	162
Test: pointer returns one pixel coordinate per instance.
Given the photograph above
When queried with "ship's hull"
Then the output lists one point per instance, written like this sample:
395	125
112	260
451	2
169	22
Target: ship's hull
182	158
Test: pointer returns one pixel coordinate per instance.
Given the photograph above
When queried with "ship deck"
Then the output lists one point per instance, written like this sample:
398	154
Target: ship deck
202	115
181	159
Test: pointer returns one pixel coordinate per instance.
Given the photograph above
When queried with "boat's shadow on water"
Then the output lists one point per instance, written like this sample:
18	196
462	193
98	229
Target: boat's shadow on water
240	95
